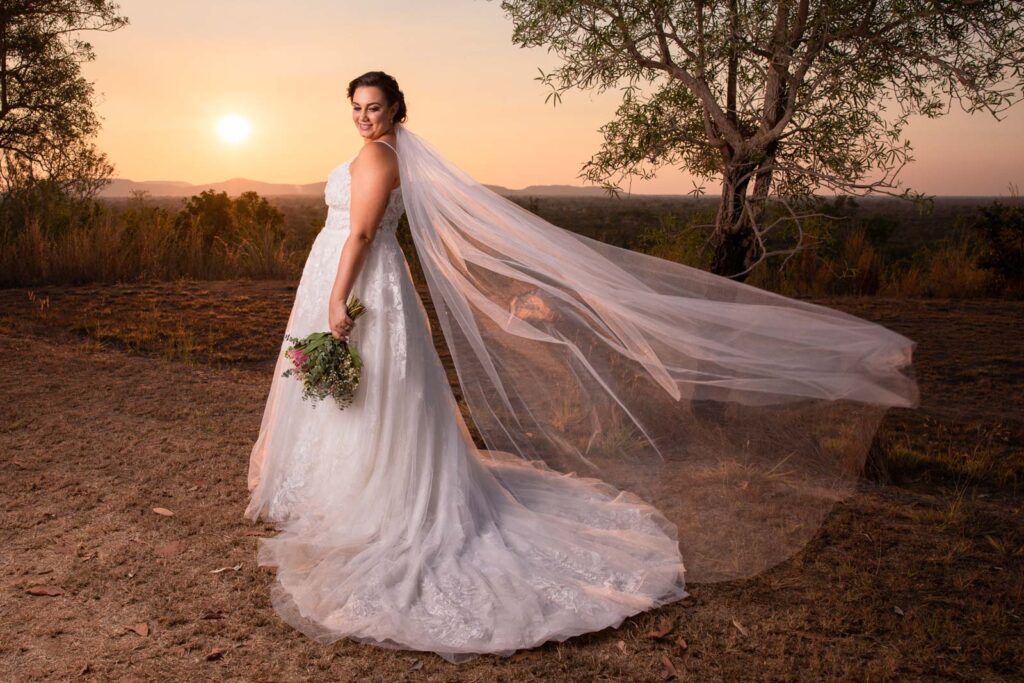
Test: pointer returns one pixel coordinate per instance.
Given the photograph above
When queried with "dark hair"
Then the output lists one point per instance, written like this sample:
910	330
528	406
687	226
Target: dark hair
387	84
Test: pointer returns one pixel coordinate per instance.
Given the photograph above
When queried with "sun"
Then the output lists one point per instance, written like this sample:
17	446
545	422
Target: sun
233	128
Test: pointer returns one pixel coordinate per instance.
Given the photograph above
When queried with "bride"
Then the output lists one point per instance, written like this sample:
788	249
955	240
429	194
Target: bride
588	370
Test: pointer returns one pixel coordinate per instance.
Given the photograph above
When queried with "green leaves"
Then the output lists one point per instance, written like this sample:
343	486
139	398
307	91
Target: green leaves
314	341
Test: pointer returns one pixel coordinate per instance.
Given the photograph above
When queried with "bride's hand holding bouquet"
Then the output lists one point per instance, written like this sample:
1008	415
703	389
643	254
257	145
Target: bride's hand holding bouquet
340	319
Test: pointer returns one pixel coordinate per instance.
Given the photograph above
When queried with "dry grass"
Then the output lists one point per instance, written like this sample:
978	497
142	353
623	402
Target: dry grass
142	243
943	268
950	270
112	249
120	399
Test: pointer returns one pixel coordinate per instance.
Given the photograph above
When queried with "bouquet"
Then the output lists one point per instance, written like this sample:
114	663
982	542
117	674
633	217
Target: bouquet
326	365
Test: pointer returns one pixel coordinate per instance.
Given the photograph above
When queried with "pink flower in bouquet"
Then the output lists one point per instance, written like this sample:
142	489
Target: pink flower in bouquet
298	357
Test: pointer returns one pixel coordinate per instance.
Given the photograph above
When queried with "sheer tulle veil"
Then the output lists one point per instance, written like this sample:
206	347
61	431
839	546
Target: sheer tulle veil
742	415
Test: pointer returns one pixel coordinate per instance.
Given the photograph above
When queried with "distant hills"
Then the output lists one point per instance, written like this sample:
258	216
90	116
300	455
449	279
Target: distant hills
122	187
552	191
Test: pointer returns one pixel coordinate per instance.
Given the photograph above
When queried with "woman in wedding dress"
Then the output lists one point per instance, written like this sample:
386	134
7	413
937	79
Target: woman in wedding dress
581	364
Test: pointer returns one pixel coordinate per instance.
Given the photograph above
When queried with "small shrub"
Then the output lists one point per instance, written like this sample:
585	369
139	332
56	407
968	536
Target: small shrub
679	240
951	270
1000	230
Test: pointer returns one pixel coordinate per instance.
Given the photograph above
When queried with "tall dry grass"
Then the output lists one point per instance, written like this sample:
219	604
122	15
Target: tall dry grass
849	266
950	270
854	271
124	248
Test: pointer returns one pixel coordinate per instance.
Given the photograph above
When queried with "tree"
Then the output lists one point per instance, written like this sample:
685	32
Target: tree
46	107
775	98
216	216
210	213
253	214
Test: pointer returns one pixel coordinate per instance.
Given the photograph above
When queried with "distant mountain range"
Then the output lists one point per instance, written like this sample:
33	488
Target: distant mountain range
121	187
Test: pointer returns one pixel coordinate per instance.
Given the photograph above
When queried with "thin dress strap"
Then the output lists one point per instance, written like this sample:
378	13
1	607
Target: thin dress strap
389	145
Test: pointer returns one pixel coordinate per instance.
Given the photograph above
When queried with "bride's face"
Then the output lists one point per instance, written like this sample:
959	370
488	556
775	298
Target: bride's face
371	113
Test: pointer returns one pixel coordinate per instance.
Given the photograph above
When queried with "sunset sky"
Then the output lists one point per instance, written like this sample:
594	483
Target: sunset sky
165	81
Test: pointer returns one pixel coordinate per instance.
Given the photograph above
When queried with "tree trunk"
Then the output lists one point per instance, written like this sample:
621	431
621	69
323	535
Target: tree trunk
733	238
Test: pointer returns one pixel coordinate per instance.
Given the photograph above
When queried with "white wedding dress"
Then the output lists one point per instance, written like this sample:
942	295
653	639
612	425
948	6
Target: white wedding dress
396	530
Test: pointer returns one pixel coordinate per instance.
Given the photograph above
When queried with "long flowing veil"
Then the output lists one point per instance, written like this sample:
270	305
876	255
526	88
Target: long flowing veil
742	415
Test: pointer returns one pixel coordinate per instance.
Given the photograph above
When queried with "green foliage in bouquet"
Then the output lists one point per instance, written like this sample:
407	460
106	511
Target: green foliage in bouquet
325	365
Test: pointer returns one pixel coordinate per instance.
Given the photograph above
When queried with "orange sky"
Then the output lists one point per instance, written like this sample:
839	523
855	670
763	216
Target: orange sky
163	81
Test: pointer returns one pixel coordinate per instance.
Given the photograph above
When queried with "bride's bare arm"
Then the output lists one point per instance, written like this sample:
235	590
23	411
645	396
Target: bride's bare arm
374	172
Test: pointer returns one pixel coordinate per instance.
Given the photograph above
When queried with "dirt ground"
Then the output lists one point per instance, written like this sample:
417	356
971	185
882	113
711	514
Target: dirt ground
116	401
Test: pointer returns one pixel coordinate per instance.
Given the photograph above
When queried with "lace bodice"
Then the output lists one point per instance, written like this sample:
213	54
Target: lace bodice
338	196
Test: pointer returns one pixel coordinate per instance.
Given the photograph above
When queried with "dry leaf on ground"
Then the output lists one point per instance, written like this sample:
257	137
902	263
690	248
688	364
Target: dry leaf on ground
216	653
670	669
665	629
169	549
142	628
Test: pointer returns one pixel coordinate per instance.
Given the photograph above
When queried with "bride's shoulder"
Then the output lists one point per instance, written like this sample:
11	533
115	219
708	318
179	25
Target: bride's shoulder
377	154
